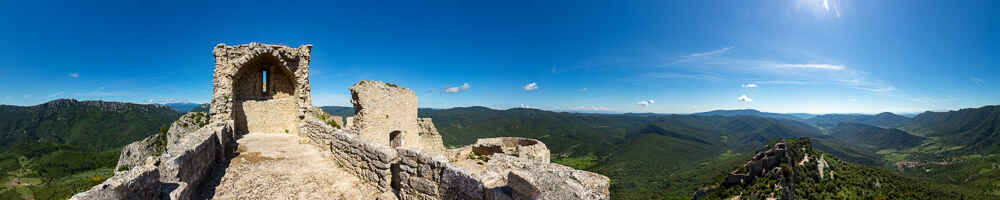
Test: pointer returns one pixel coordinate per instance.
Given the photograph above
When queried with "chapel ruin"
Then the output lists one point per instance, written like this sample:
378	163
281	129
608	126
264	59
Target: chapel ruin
261	89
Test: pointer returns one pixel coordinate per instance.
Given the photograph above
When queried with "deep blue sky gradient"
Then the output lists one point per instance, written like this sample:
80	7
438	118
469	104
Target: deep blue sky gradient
687	56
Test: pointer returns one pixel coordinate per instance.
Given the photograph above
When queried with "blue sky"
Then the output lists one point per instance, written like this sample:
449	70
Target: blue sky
810	56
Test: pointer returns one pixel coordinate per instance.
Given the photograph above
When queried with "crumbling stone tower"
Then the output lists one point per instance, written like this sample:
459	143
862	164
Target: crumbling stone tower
385	114
262	87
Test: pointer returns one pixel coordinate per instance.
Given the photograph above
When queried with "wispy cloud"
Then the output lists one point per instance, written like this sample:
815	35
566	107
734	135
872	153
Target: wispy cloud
695	56
812	66
530	86
749	85
74	75
583	89
453	90
744	98
707	77
978	81
645	103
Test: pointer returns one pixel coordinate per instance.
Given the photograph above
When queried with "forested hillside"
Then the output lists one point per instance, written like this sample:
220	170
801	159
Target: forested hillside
55	149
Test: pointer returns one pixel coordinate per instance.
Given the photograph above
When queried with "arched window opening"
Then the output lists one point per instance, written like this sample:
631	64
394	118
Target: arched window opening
263	78
394	139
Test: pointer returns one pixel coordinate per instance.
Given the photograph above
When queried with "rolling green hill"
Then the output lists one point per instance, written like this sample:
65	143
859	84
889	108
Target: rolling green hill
62	146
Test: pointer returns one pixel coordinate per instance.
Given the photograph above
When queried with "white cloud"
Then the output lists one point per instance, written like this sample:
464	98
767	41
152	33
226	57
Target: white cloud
525	106
749	85
812	66
531	86
453	90
583	89
744	98
646	102
74	75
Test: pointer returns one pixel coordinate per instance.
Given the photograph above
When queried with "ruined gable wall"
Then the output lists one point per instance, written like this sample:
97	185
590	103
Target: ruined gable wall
293	63
380	109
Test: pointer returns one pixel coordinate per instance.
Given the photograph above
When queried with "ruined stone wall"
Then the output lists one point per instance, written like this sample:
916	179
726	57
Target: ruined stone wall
369	161
278	115
380	109
177	174
429	136
419	175
237	78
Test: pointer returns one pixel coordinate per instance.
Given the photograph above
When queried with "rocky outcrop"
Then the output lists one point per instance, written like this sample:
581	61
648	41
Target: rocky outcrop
135	154
758	166
186	124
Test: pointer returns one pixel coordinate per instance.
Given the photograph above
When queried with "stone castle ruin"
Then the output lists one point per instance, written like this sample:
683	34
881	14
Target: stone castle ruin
263	90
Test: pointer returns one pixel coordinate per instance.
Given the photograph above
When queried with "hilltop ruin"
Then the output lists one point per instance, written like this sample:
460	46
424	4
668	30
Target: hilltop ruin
261	98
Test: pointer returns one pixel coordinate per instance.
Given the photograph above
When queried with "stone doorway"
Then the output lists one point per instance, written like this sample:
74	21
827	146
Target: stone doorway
394	139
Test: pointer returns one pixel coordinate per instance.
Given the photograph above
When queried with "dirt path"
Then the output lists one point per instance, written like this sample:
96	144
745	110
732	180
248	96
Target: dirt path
286	166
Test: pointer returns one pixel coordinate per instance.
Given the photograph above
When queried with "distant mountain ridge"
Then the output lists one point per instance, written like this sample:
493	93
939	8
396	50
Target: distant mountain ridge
752	112
885	119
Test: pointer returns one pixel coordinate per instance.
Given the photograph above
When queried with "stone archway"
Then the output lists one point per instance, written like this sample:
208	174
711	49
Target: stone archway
263	95
261	87
395	139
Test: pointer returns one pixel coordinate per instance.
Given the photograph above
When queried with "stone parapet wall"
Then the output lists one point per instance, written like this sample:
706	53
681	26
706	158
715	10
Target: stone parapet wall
369	161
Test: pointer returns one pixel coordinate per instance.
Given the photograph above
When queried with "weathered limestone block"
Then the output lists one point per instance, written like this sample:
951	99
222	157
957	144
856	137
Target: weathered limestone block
141	182
385	114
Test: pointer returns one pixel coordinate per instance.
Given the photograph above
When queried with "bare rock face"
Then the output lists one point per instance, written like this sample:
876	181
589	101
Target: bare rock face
135	154
188	123
385	114
140	182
